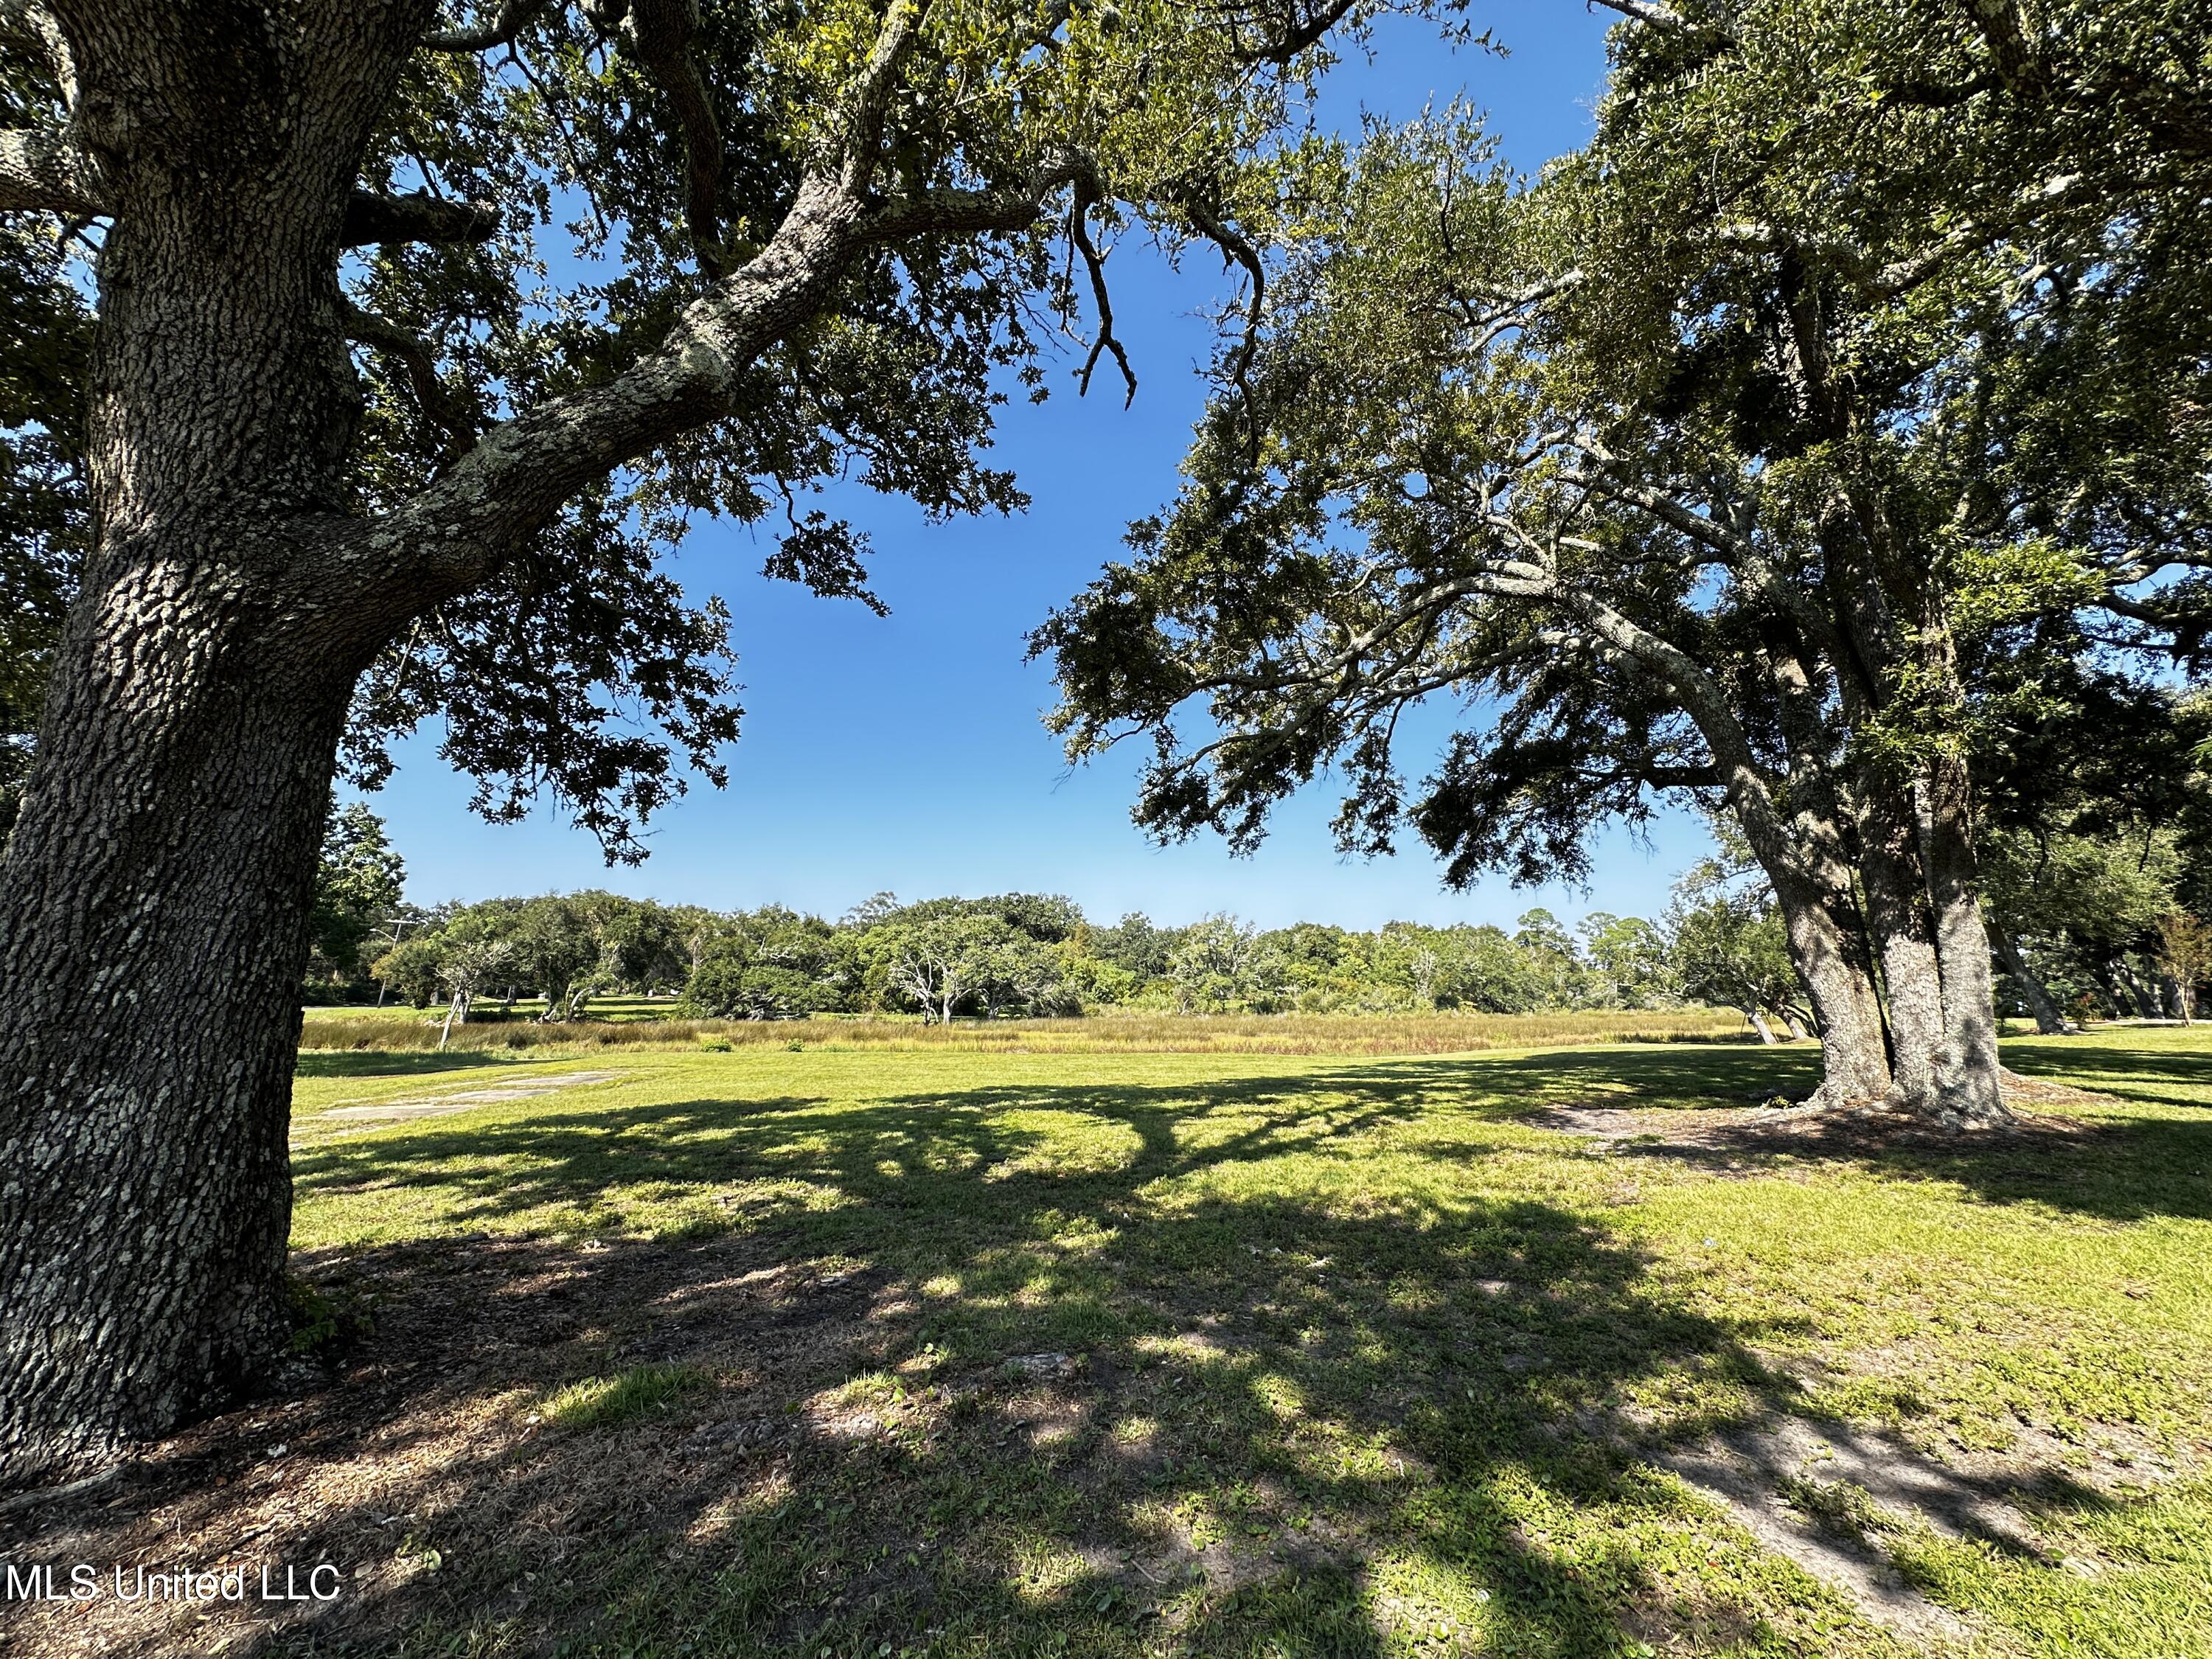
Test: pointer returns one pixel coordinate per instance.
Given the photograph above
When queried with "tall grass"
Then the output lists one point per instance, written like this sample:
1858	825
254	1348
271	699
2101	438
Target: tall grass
1107	1033
603	1011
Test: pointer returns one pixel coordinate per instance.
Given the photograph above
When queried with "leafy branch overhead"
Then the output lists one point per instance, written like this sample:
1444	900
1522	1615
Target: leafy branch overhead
1574	447
414	341
619	264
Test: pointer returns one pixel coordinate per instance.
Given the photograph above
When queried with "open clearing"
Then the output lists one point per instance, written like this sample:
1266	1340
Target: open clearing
938	1352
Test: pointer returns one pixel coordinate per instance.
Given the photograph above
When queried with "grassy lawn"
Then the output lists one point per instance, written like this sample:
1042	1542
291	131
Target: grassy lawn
881	1351
636	1022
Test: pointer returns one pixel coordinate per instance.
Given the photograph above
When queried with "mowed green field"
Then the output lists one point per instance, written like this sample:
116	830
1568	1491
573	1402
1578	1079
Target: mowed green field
889	1352
1172	1353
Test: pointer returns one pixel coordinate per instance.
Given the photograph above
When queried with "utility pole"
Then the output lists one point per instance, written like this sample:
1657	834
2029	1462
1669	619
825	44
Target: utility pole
398	924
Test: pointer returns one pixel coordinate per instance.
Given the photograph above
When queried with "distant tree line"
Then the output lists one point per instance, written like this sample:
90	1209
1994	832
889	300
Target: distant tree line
1013	954
2090	920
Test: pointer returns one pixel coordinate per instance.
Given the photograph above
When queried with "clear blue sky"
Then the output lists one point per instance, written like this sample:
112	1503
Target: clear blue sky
906	753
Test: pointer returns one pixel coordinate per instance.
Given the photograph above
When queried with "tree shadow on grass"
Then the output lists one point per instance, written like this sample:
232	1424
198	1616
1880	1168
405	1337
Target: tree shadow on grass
819	1158
2094	1063
2121	1169
2126	1171
1658	1078
565	1151
496	1169
1089	1370
1204	1477
1093	1370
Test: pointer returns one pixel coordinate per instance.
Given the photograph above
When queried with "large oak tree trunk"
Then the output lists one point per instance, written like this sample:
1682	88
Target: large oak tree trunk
1806	859
1900	660
1898	917
1830	954
154	901
1917	857
1917	861
169	841
1968	1069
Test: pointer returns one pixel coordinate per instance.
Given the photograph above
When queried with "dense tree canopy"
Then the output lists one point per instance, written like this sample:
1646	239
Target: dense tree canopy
547	190
1830	421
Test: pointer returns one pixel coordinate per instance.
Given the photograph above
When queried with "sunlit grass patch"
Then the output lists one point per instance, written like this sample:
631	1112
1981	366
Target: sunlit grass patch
599	1402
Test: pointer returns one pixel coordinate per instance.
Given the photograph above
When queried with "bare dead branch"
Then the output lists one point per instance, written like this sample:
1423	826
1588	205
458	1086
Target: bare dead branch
1094	263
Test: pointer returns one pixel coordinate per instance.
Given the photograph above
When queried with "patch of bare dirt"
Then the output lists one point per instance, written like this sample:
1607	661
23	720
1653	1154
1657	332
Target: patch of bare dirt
1828	1498
1755	1474
1658	1129
463	1100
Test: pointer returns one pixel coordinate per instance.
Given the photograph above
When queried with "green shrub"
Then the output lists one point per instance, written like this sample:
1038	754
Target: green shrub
322	1321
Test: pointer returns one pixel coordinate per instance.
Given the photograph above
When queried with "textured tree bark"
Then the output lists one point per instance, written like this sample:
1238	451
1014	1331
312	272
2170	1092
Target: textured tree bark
1898	917
1918	864
1830	954
169	828
1968	1071
1827	928
2048	1019
168	838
